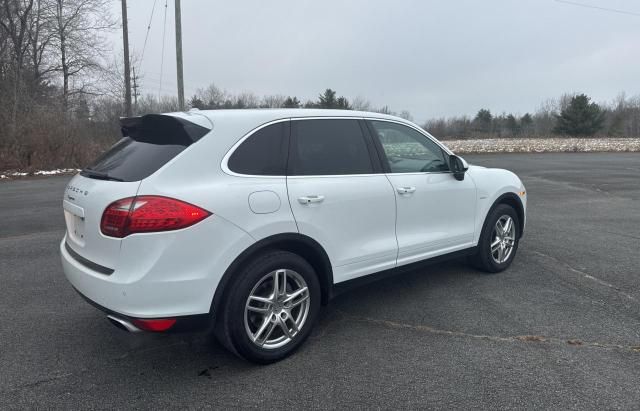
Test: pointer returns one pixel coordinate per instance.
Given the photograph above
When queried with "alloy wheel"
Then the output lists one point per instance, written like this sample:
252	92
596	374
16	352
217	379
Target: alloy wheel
276	309
503	239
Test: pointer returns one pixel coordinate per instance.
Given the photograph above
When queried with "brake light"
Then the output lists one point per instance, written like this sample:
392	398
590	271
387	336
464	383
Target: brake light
146	214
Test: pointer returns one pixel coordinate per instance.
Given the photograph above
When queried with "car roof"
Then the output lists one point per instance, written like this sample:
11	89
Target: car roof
229	126
264	115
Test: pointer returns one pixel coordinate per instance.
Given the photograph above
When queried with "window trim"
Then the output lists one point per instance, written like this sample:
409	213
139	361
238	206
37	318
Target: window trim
376	167
383	156
225	160
379	161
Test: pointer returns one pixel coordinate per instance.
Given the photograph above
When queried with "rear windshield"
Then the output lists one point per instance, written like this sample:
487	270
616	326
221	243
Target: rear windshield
149	143
131	160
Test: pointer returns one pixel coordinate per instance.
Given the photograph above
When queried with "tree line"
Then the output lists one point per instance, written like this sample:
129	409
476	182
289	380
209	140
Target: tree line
62	93
569	115
212	98
52	67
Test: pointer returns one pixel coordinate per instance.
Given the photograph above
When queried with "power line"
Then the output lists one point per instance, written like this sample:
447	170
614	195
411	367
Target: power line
589	6
164	32
154	75
146	37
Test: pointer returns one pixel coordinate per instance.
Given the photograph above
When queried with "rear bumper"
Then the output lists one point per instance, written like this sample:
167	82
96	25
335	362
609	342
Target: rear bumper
187	323
142	298
165	275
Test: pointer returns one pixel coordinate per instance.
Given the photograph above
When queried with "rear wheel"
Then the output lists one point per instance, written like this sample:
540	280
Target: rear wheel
272	307
499	240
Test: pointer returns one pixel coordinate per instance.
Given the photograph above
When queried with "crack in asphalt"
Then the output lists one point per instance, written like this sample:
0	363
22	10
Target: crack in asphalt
586	275
517	338
508	339
622	234
38	382
584	187
82	371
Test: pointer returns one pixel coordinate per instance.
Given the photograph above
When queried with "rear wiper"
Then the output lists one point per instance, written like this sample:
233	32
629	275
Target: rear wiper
87	172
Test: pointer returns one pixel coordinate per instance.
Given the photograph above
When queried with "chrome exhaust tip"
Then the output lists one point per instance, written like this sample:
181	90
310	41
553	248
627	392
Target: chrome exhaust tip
123	324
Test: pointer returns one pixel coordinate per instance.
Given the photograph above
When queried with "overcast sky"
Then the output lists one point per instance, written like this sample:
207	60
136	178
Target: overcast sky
432	57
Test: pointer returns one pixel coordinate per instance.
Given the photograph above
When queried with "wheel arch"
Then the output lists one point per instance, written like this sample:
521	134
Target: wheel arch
512	200
304	246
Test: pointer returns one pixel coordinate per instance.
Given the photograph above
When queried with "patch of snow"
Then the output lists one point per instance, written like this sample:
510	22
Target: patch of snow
56	171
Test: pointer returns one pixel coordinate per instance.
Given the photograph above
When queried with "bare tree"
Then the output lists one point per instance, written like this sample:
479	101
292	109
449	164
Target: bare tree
15	26
211	96
79	38
41	35
405	114
246	100
112	83
361	104
273	101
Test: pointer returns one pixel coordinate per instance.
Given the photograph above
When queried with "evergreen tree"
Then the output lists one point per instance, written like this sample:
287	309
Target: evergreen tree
580	118
291	102
342	103
483	120
512	124
196	102
327	99
311	104
526	123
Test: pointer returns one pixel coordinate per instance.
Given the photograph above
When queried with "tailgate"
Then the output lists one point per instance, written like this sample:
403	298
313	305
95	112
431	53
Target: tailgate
148	144
85	199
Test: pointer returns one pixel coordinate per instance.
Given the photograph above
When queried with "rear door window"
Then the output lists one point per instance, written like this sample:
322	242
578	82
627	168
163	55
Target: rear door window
263	153
329	147
149	143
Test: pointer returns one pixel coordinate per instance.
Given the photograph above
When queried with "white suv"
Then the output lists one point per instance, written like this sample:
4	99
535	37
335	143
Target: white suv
246	221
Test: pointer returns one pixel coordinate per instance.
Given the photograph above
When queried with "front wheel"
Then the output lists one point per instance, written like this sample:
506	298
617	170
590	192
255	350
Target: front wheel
499	240
272	307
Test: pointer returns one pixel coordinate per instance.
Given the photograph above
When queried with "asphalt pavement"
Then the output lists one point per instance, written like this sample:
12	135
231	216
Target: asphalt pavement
559	329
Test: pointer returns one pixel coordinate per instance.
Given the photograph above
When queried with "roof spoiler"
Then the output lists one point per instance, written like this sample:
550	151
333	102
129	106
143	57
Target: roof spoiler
162	129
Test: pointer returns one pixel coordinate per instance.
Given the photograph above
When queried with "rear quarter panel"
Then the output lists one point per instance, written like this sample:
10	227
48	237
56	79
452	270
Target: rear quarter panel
196	176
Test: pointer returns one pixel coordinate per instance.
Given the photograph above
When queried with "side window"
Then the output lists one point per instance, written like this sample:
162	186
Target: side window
264	152
329	147
407	150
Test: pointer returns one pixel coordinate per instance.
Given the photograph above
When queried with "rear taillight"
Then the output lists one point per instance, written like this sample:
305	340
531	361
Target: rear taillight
146	214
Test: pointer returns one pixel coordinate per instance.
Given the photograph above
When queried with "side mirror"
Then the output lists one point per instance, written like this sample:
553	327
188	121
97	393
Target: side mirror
458	167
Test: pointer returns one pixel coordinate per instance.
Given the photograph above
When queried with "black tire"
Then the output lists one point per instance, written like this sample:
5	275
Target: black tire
231	331
484	259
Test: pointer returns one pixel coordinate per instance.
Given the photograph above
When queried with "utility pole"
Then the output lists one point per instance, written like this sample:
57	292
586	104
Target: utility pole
127	73
179	56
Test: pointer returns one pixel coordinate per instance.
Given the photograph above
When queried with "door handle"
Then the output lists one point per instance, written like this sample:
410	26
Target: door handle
406	190
310	199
